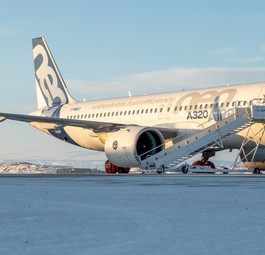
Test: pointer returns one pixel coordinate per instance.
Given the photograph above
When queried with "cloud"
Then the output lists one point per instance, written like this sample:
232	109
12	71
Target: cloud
248	60
171	79
229	54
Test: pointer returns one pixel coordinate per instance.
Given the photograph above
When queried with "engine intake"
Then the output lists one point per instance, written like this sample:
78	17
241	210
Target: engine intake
124	147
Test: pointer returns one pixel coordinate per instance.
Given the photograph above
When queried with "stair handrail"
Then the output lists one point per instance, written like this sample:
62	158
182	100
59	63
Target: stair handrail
230	112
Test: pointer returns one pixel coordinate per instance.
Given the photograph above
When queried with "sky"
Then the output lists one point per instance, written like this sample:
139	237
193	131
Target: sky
107	48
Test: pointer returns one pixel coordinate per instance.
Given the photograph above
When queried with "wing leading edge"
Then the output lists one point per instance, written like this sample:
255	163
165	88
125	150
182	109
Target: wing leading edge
95	125
58	121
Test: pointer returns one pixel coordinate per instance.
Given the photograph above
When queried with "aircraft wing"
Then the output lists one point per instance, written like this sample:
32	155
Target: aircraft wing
97	126
58	121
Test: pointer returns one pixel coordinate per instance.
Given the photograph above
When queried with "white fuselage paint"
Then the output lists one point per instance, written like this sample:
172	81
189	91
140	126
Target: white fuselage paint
181	110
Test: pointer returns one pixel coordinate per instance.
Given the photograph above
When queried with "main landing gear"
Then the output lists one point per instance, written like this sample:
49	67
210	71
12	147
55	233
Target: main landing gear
204	159
113	169
256	171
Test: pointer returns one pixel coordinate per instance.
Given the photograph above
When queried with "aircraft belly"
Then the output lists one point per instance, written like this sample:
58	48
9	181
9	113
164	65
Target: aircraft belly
235	142
85	138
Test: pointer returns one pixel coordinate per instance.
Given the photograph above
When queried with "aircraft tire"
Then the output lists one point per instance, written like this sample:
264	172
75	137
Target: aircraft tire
256	171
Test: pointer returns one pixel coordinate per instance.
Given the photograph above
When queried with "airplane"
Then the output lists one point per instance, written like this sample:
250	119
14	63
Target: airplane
125	128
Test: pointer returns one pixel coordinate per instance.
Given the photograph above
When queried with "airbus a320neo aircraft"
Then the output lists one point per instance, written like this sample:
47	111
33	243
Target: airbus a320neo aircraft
125	128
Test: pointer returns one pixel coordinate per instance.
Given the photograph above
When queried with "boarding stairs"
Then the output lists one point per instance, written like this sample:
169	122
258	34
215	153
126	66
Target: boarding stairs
233	121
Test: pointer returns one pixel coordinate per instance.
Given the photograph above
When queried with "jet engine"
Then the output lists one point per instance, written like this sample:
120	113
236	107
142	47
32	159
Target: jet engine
127	146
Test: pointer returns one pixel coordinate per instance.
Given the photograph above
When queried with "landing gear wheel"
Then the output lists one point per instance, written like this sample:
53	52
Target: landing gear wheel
256	171
161	170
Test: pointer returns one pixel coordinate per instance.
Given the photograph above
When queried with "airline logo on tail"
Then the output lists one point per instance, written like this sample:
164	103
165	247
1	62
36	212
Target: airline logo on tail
47	75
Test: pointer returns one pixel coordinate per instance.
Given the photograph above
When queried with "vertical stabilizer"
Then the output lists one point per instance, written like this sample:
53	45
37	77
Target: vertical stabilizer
50	86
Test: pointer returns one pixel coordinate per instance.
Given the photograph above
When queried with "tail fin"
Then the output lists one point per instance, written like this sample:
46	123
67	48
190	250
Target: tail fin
50	86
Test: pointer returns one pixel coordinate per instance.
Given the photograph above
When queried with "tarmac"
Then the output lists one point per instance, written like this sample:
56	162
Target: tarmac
132	214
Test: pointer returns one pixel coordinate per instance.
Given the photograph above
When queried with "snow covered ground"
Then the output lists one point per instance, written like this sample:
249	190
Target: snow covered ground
99	165
25	168
30	168
132	214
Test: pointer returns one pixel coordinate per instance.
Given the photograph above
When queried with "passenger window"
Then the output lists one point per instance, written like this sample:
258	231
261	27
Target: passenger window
190	107
185	108
195	107
142	111
222	105
206	106
227	104
180	108
176	108
201	106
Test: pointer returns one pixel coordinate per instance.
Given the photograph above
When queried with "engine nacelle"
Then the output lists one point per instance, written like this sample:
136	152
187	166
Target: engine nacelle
124	147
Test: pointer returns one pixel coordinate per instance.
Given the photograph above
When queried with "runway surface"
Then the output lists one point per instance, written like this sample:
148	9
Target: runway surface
133	214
